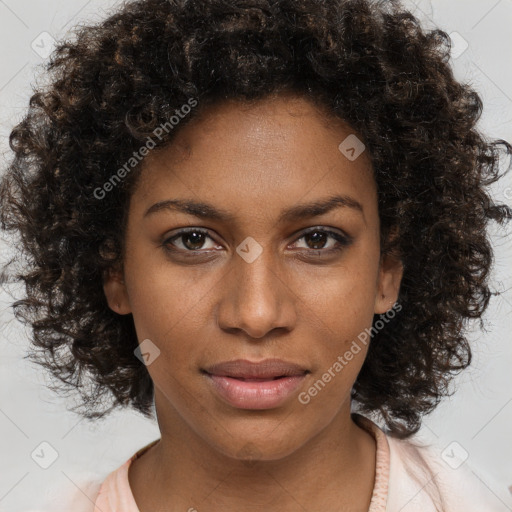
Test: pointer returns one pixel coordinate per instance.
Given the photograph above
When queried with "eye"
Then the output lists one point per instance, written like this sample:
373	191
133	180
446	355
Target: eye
317	239
191	240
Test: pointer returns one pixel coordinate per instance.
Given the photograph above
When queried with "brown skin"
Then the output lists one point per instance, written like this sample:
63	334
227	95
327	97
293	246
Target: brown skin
290	303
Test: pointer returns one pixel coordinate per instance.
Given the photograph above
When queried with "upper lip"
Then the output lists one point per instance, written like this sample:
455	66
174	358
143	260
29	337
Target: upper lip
244	369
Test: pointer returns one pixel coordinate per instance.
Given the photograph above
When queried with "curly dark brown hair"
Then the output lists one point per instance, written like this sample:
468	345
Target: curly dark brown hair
367	62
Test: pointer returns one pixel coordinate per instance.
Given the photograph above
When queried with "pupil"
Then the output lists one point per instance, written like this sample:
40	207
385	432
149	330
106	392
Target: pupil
316	241
198	239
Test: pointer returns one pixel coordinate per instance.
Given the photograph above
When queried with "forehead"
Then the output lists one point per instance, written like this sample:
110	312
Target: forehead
259	156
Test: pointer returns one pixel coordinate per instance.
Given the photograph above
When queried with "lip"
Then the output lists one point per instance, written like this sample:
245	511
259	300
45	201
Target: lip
255	385
265	369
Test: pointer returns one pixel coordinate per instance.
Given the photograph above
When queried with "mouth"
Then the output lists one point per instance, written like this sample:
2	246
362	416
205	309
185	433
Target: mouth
250	385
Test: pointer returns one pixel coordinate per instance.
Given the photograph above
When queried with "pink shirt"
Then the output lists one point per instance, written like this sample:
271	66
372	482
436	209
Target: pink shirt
408	478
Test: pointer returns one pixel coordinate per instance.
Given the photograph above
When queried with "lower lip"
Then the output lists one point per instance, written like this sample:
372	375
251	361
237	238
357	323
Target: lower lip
264	394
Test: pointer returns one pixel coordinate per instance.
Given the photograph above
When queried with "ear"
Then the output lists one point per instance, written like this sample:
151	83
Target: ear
115	291
388	284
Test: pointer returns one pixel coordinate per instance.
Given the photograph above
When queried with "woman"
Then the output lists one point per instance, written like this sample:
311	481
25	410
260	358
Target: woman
268	221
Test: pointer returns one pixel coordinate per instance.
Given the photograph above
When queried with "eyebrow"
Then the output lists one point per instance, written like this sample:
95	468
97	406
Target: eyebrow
301	211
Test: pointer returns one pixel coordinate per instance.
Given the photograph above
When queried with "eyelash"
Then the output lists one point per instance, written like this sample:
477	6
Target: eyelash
343	241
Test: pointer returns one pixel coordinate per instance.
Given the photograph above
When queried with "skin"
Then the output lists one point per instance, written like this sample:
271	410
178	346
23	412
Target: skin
254	161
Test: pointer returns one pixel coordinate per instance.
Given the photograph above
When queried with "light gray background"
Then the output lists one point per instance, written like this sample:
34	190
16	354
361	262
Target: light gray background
478	417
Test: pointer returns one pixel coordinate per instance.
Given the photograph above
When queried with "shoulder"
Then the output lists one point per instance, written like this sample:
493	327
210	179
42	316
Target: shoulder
96	493
423	478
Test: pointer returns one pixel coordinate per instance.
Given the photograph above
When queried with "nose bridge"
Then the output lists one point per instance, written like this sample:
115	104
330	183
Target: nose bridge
256	296
256	268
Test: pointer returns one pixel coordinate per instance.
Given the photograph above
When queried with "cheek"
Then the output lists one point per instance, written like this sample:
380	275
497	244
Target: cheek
340	327
165	299
170	308
345	297
339	319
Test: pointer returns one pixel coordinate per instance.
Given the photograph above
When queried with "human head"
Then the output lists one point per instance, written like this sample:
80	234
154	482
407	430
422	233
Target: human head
366	63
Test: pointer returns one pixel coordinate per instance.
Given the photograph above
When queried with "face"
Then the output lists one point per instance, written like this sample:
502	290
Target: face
256	276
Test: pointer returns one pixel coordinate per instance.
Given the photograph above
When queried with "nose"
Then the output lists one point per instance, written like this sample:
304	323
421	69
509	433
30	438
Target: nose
257	297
